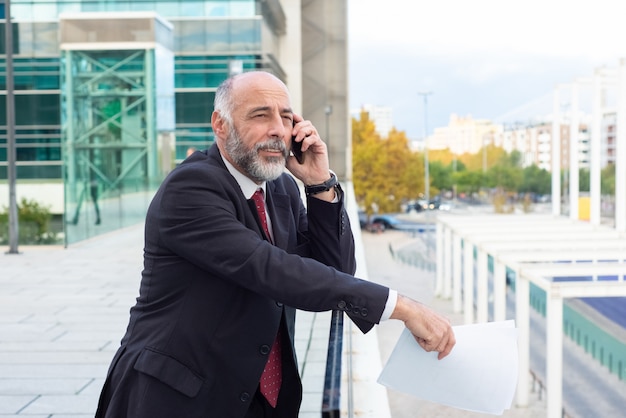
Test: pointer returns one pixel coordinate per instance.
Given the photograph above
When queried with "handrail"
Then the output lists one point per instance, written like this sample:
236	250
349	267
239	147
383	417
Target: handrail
331	399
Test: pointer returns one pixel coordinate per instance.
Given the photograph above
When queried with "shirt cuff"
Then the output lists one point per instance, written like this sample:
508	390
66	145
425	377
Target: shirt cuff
392	300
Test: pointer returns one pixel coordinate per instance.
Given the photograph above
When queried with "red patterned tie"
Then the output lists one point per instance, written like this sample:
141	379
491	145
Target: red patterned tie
271	378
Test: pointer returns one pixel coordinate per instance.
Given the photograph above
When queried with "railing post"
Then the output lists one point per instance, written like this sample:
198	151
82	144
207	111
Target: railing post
331	400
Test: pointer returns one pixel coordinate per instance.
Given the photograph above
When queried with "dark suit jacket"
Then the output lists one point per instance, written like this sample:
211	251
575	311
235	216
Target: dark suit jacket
214	292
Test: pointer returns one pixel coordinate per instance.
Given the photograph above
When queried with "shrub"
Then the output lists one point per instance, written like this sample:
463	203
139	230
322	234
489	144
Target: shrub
33	224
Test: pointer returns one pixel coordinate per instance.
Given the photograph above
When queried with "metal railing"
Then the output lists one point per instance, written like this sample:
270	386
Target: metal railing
331	399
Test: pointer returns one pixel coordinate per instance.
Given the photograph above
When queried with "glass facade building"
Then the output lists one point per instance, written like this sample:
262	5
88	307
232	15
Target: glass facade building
105	107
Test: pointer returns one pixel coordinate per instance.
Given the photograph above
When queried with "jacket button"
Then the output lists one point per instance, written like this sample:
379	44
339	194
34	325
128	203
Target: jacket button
244	397
265	349
342	304
364	312
279	304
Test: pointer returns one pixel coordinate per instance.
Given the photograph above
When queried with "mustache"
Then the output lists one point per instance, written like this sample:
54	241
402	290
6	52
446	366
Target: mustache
271	144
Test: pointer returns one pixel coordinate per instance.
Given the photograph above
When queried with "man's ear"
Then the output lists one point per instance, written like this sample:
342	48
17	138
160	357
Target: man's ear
219	125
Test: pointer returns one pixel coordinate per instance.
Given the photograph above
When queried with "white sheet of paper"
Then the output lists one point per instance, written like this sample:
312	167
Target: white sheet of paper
480	374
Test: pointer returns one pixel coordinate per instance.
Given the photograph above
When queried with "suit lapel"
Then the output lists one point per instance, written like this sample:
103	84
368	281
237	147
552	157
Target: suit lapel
277	204
278	207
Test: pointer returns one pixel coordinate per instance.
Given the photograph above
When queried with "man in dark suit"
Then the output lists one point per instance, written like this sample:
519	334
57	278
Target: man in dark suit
225	270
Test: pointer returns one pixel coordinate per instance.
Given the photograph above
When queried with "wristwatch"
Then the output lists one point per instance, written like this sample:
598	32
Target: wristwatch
323	187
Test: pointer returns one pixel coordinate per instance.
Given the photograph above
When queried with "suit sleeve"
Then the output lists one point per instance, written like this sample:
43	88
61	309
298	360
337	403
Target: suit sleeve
332	243
202	219
331	236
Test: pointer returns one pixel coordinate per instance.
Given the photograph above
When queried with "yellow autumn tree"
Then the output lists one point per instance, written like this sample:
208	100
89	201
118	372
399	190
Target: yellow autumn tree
385	171
488	156
444	156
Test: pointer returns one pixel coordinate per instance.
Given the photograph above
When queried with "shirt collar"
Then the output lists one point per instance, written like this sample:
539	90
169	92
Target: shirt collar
248	187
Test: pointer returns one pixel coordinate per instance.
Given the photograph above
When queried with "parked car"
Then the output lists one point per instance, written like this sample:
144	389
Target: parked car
413	206
362	219
385	222
445	206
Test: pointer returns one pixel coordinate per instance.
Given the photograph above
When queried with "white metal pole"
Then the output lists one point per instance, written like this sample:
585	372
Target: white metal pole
447	266
522	321
440	267
556	153
499	291
482	287
425	94
595	149
554	356
468	282
620	151
456	274
573	155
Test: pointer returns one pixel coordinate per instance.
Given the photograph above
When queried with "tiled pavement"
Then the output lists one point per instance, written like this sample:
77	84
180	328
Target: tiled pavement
63	312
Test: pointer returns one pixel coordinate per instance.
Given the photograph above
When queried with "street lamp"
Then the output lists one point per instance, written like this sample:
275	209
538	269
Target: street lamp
328	110
10	115
425	94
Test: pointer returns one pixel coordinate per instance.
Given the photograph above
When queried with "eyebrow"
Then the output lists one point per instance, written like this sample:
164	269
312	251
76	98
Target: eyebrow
268	108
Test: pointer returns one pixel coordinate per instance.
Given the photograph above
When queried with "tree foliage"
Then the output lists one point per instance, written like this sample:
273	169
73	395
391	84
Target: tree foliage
385	171
536	180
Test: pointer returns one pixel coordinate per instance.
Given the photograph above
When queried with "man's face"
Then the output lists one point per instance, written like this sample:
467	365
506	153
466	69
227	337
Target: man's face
252	159
258	140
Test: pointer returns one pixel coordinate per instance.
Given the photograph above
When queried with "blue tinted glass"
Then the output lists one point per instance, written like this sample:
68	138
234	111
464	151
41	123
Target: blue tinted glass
190	36
245	35
167	8
43	11
192	8
217	35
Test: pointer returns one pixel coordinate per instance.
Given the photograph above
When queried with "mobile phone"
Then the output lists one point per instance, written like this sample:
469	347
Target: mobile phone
296	149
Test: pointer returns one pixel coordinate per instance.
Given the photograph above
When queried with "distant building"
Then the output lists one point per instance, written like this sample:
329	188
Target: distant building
109	95
381	116
464	135
608	139
532	141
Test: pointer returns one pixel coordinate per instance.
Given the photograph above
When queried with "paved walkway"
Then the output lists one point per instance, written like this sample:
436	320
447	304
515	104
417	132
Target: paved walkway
63	313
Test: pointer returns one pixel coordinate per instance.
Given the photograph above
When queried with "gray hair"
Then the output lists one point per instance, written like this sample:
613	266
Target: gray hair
223	102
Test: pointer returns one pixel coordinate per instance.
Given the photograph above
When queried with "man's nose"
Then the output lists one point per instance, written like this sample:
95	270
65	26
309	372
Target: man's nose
277	127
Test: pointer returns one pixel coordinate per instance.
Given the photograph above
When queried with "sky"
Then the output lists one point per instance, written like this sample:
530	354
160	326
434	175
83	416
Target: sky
488	59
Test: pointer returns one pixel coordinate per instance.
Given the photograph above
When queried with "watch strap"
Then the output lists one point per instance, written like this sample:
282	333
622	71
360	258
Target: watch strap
322	187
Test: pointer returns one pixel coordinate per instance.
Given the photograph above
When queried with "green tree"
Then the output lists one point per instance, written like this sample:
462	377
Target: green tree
468	181
441	175
535	180
505	177
608	180
513	159
583	180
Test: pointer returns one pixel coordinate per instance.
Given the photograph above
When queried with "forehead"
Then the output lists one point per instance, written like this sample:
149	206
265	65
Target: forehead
261	90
